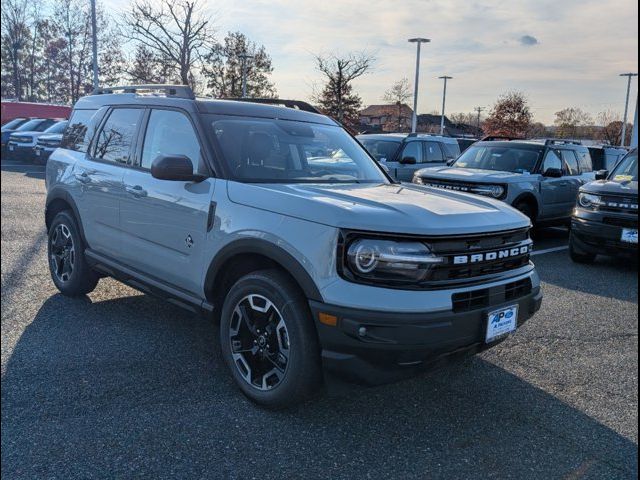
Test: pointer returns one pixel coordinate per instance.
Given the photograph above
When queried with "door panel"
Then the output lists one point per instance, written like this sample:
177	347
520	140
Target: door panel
552	189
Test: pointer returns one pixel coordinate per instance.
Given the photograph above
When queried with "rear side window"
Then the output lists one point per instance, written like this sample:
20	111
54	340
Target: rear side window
433	151
170	132
584	159
75	136
570	162
116	137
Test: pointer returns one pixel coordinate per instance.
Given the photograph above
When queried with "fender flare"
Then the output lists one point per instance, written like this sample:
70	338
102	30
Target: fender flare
58	193
269	250
526	196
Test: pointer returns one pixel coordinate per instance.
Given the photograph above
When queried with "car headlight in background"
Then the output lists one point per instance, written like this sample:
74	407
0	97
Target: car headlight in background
381	260
588	200
495	191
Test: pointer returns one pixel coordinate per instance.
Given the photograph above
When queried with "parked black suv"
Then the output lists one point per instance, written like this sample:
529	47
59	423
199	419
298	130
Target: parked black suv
605	220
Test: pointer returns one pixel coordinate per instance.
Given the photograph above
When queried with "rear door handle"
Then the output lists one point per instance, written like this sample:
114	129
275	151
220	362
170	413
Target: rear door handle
83	177
136	191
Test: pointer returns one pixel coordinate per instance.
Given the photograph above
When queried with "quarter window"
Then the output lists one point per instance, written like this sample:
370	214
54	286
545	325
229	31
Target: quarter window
434	153
75	136
115	138
584	159
170	133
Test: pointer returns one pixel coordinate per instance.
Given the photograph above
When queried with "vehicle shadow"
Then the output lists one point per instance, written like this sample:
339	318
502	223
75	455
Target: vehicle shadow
27	168
136	387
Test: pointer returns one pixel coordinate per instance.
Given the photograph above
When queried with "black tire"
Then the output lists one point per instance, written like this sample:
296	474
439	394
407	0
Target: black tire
69	269
580	257
526	209
245	347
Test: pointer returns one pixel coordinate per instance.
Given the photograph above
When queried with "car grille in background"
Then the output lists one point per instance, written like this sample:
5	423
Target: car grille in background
20	139
487	297
49	143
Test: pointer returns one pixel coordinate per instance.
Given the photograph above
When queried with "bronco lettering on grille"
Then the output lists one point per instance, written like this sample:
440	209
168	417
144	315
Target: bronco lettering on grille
491	256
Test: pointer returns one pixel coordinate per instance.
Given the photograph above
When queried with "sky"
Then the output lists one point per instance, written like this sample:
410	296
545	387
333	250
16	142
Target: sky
560	53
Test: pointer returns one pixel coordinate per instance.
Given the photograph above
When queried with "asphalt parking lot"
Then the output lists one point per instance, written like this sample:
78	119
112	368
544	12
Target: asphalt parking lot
121	385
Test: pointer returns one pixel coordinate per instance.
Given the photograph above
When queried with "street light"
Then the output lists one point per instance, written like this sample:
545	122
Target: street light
414	120
626	106
444	99
94	36
244	56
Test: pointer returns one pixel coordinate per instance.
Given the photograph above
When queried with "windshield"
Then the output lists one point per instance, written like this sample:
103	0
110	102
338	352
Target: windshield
57	128
503	159
627	169
16	122
31	125
282	151
381	150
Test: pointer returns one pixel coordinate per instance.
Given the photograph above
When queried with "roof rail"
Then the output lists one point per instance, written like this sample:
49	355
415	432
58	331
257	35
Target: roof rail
493	138
297	104
178	91
561	141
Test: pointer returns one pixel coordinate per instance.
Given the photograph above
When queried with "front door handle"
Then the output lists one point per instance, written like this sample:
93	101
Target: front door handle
137	191
83	177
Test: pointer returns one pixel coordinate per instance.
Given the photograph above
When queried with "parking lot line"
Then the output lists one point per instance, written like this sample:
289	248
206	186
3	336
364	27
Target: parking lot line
550	250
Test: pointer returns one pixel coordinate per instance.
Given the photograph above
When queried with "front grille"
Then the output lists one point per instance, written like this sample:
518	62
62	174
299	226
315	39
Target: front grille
448	185
487	297
619	204
621	222
49	143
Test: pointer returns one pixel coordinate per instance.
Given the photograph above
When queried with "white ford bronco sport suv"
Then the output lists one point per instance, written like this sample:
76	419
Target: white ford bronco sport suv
278	222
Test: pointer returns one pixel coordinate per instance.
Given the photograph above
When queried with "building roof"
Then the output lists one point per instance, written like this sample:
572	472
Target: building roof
386	110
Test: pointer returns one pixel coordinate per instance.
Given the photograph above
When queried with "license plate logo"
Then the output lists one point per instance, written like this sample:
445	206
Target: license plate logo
630	235
501	322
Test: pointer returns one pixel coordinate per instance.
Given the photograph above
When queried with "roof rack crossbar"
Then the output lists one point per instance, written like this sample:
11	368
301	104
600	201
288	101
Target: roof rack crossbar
297	104
561	141
493	138
178	91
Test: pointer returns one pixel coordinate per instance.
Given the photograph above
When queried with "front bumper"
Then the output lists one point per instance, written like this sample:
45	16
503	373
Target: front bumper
593	232
19	150
373	347
42	153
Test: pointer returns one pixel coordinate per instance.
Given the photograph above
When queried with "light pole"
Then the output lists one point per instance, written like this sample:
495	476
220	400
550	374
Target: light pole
479	110
626	107
94	36
414	119
244	56
444	99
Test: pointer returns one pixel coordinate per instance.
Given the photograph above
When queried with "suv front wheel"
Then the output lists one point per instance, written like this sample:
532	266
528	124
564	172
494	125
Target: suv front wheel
269	341
69	269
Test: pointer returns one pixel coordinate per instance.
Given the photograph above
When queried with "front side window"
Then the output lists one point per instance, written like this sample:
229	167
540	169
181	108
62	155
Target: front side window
499	158
412	150
115	138
570	162
170	133
282	151
552	161
381	150
434	153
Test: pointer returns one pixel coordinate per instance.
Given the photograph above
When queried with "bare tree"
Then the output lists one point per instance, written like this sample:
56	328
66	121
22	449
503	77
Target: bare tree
610	130
174	30
573	122
399	94
15	38
337	98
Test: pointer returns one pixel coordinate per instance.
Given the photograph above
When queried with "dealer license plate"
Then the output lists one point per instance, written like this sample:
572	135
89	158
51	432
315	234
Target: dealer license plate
37	153
11	148
501	322
629	235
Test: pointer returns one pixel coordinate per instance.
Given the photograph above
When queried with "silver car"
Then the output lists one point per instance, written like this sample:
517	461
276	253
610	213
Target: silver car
276	222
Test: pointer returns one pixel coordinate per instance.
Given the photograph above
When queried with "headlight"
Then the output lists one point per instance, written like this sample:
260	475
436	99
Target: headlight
495	191
380	260
418	180
588	200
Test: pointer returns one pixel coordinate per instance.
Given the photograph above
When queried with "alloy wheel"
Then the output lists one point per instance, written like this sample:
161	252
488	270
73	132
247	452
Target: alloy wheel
62	252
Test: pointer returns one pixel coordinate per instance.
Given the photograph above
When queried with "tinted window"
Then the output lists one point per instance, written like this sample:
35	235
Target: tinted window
380	149
75	136
169	132
451	150
44	125
270	150
434	153
570	162
499	158
115	138
57	127
584	159
552	160
413	149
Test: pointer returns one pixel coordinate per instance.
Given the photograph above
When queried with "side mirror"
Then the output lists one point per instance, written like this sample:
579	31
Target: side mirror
174	167
451	161
553	173
408	161
602	174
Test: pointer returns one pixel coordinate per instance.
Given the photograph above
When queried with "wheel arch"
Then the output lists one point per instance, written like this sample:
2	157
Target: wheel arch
529	198
250	254
58	200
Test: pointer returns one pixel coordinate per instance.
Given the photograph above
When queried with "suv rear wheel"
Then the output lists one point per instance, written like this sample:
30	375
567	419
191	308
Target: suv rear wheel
268	340
69	269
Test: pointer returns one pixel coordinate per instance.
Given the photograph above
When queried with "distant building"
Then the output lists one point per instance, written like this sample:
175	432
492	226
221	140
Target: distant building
386	118
430	123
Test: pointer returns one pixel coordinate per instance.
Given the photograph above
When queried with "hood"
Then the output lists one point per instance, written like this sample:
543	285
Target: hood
51	136
612	187
402	209
27	133
469	175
